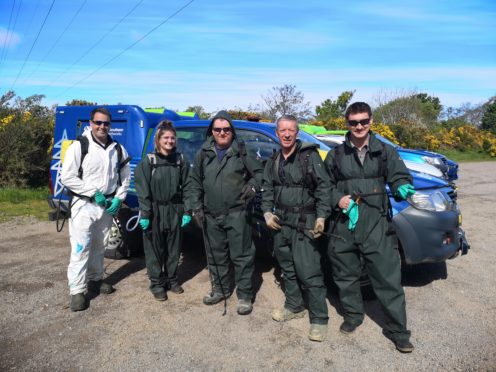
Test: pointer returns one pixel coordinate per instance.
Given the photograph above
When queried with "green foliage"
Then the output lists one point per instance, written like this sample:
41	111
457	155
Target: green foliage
466	156
80	102
330	109
26	135
488	121
14	195
199	110
420	109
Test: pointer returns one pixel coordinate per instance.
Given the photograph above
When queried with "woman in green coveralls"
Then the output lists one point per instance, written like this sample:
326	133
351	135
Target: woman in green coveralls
161	179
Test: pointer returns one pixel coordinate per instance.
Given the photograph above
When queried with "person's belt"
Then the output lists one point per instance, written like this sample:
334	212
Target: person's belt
225	211
305	209
176	199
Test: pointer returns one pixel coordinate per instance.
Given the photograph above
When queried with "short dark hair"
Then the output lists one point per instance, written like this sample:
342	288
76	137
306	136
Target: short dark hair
358	108
101	110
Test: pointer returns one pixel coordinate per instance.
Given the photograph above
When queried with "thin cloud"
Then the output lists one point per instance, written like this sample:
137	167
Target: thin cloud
9	39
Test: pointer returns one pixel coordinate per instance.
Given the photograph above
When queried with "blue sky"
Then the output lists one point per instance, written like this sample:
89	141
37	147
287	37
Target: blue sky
226	54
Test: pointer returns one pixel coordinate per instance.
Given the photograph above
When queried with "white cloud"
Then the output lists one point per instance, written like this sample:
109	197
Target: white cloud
8	39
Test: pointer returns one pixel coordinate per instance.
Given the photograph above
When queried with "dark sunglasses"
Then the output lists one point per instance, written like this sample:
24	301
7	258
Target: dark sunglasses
354	123
99	122
225	130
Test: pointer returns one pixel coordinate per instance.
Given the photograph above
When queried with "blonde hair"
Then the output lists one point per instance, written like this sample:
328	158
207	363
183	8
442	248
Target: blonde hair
162	127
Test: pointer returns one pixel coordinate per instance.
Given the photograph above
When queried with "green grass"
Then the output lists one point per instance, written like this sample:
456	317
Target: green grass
466	156
23	203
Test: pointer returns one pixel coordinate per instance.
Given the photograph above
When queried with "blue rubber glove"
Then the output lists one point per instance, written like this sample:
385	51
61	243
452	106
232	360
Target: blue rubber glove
144	223
405	191
99	199
186	220
352	213
114	206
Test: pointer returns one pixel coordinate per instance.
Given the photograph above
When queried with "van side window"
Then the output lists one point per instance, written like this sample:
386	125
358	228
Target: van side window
258	145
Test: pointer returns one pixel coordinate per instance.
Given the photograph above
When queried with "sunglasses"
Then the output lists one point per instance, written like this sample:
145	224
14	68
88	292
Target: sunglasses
354	123
99	122
225	130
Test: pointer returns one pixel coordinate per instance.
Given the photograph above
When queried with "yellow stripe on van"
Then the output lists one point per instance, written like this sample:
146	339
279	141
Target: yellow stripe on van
63	149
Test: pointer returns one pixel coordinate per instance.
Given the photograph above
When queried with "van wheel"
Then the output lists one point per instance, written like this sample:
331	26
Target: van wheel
115	246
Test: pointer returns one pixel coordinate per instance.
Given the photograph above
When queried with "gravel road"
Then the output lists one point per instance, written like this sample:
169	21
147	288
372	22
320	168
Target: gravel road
451	311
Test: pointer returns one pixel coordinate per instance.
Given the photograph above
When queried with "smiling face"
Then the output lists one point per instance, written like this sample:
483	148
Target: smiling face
359	125
100	126
167	142
287	131
222	132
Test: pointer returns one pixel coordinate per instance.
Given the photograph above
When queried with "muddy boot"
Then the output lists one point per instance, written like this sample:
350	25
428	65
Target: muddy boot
317	332
213	298
244	307
79	302
160	295
176	288
284	315
100	287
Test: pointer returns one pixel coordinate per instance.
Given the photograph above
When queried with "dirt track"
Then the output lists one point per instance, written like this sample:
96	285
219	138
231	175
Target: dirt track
451	309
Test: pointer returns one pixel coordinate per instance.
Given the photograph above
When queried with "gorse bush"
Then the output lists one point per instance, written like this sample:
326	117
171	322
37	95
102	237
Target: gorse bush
26	138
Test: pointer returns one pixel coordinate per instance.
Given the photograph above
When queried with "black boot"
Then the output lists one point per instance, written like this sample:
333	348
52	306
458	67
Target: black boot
78	302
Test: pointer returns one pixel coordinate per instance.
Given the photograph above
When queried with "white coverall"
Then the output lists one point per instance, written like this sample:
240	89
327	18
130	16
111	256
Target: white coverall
89	224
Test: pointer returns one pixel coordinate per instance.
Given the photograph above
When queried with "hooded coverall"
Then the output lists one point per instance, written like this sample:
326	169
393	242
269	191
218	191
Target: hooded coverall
297	204
373	239
89	224
160	200
216	187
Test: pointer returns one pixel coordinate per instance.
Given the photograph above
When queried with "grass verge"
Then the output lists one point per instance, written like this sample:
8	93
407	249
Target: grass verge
23	203
465	156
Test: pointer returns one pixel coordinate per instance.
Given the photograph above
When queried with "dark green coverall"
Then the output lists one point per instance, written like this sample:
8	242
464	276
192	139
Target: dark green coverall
161	200
216	187
372	239
297	204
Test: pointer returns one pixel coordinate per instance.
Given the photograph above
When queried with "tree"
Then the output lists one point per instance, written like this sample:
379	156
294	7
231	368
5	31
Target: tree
419	109
330	109
80	102
199	110
286	100
488	121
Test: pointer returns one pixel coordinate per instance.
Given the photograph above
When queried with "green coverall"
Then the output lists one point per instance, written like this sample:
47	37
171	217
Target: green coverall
216	187
297	204
161	200
372	240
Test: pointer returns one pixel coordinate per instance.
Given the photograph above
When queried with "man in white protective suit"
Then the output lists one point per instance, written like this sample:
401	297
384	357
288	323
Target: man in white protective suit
98	178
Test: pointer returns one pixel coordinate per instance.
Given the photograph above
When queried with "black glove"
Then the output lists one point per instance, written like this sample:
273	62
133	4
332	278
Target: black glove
248	193
199	217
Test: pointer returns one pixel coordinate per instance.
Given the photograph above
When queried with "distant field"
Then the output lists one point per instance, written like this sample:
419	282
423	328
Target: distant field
461	156
23	202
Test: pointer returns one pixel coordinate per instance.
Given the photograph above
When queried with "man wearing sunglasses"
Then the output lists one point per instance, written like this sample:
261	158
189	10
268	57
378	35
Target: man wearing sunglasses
360	228
92	173
224	179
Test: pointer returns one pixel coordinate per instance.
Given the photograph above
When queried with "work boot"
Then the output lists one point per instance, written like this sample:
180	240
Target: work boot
244	307
284	315
78	302
160	295
100	287
317	332
404	346
347	327
213	298
176	288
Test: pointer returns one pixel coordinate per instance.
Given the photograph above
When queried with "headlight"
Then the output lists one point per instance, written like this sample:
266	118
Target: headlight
434	201
432	160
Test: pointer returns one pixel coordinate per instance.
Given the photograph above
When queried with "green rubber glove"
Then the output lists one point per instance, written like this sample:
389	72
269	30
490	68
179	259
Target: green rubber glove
144	223
352	213
99	199
186	220
114	206
405	191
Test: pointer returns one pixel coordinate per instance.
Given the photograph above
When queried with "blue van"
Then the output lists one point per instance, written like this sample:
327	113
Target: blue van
428	225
